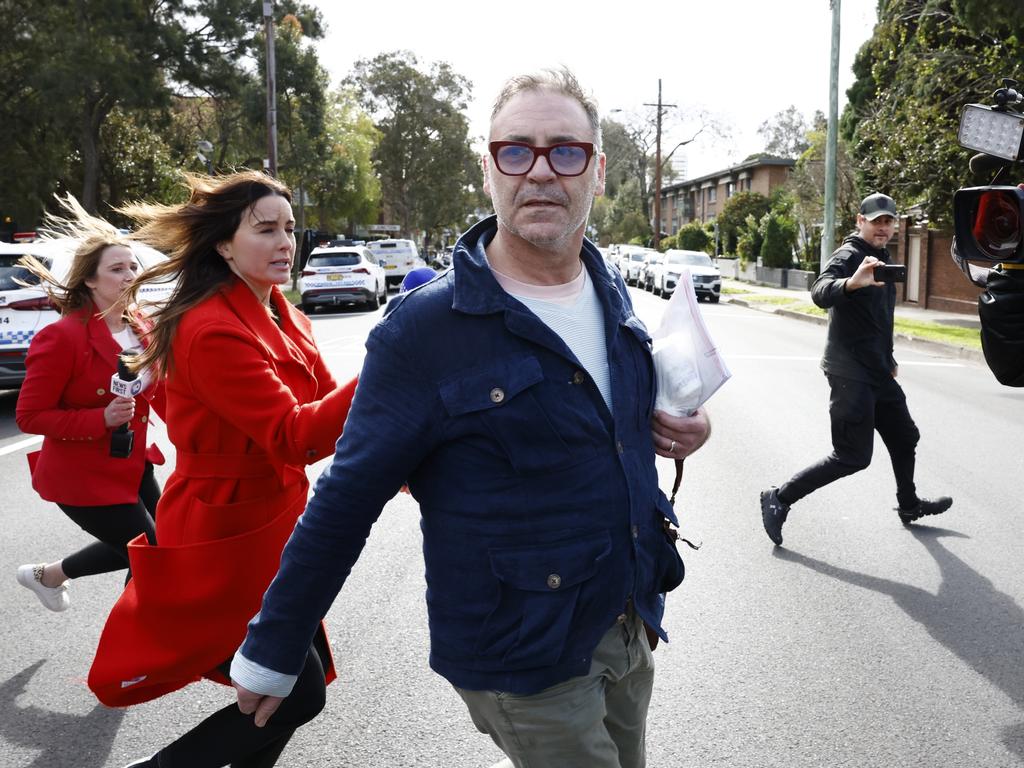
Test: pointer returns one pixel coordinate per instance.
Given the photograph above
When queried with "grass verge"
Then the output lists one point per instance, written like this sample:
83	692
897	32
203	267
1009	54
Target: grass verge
919	329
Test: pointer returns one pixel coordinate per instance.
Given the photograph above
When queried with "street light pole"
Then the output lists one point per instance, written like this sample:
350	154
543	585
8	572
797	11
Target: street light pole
828	236
268	25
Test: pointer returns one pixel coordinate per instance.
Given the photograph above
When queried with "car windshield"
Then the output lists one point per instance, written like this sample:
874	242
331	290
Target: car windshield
334	260
637	257
690	259
13	276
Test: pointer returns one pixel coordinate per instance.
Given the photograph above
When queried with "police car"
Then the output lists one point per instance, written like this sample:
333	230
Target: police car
398	257
342	275
25	307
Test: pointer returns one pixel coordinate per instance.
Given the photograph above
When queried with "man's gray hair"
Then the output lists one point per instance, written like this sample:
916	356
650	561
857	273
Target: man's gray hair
559	80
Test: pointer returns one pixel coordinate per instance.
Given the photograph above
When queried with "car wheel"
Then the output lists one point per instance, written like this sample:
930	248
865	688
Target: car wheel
373	302
714	299
656	290
307	309
383	294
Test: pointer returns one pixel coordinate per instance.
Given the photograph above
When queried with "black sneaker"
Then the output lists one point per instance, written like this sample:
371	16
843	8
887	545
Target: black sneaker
773	514
924	508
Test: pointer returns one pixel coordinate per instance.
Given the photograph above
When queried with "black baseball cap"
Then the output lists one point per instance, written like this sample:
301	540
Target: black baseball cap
873	206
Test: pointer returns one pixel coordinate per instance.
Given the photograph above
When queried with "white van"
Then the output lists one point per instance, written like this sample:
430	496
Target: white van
397	257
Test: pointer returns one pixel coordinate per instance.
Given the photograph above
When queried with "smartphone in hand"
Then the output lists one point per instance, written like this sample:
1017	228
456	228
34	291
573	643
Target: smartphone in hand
891	273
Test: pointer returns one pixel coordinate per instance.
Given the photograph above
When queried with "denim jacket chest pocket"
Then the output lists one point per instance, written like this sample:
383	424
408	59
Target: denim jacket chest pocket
534	420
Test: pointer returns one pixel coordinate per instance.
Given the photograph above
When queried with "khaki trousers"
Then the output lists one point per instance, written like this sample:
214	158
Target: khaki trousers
594	721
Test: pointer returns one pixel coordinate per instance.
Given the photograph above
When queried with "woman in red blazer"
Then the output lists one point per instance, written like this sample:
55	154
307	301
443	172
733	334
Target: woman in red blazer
250	403
66	398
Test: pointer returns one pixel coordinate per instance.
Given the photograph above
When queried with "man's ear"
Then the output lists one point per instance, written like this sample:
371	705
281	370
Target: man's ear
602	161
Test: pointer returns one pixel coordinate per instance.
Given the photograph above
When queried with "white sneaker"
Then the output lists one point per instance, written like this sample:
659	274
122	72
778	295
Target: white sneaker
54	598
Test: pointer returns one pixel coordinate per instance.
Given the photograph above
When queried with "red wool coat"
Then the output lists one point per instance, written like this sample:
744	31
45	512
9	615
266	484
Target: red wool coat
66	389
248	406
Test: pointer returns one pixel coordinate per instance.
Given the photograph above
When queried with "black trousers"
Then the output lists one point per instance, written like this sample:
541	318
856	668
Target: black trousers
114	526
227	737
857	410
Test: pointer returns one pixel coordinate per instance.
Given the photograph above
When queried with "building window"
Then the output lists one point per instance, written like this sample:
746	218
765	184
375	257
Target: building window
730	189
712	194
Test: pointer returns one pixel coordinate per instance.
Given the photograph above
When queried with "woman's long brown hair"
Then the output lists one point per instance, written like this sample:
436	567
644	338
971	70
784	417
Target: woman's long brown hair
189	234
94	236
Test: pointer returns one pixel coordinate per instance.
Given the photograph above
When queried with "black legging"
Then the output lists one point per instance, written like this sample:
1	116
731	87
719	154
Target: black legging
114	525
227	737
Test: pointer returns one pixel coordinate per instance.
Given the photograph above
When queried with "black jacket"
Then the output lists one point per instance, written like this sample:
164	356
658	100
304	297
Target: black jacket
859	342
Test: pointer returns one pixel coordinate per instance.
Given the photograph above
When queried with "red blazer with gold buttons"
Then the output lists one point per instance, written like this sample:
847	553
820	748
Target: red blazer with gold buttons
66	388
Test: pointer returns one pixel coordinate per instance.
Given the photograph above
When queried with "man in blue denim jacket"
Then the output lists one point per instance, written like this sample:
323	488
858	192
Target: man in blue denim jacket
515	395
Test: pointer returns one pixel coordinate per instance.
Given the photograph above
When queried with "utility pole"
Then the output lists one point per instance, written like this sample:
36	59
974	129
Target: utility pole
828	236
268	26
657	168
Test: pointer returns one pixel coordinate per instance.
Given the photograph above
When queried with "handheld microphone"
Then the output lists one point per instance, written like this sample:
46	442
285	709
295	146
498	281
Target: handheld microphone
124	383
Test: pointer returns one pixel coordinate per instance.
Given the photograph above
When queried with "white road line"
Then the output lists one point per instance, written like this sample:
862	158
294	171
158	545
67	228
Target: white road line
924	363
28	442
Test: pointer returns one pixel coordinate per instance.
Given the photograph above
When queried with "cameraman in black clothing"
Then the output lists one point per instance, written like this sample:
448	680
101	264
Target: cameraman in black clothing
861	371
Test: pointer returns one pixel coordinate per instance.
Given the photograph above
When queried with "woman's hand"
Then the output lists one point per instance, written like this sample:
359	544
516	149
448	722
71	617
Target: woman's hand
119	411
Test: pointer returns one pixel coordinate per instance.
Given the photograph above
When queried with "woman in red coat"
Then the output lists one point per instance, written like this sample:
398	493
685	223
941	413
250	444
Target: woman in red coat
66	398
250	403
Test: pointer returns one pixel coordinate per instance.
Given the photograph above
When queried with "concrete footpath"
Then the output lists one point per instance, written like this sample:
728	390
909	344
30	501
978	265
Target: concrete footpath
902	311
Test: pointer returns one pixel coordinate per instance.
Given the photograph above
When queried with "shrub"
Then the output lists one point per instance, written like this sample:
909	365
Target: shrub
693	237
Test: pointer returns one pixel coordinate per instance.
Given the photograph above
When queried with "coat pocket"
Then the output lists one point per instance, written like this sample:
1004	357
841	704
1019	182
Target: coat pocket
506	402
538	588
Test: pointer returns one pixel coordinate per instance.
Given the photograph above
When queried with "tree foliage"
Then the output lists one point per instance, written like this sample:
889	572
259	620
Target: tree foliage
733	219
427	169
785	134
925	60
693	237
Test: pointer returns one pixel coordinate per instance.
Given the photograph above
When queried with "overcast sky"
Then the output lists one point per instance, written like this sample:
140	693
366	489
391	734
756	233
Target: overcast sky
740	60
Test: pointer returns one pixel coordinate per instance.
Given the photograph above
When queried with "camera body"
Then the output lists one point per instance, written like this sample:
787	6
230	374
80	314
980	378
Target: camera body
988	226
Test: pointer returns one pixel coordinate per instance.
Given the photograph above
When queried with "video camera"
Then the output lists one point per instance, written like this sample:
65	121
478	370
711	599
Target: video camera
988	225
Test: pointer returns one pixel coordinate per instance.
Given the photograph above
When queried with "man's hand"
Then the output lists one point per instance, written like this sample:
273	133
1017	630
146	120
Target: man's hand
263	706
676	437
864	276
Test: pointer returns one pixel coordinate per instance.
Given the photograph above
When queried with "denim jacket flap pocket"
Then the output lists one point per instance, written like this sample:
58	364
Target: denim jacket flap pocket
551	567
484	388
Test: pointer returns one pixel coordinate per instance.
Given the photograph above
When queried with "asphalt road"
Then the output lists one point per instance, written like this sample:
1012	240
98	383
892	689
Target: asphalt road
861	643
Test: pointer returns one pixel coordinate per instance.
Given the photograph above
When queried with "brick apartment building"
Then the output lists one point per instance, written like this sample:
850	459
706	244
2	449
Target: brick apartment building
702	198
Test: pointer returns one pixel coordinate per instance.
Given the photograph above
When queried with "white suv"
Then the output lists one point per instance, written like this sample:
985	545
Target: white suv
664	273
25	309
342	275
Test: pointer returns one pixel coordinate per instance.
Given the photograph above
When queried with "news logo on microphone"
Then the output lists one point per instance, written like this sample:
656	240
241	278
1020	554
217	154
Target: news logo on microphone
124	383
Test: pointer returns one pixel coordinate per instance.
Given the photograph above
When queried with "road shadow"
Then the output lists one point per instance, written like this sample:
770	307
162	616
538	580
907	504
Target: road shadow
60	739
968	615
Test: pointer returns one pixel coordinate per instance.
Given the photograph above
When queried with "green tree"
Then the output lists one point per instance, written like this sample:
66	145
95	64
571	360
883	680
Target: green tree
428	171
785	134
778	233
733	219
925	60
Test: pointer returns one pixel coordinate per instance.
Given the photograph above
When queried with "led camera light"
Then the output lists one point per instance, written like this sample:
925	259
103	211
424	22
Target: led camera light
991	131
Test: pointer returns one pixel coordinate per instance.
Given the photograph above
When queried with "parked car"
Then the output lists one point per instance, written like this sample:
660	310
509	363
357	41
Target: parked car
664	273
397	256
634	260
342	276
25	307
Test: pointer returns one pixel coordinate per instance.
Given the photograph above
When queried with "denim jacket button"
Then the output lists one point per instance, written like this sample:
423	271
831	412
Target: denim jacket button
554	581
497	395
